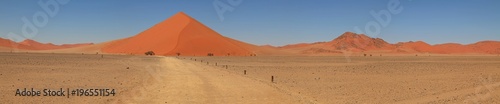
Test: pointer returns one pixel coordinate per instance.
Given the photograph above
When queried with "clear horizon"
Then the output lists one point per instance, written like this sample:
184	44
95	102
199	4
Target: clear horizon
258	22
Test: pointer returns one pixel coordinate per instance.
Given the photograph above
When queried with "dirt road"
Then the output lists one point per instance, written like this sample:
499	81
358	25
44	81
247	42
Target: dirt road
190	82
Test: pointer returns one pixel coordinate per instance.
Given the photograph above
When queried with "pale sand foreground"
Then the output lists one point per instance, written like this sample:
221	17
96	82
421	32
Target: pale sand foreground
150	79
401	79
147	80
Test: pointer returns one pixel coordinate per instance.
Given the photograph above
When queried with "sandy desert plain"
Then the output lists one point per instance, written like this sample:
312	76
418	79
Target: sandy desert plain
297	79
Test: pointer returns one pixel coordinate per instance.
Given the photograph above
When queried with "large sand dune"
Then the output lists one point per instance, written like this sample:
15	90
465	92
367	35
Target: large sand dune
181	34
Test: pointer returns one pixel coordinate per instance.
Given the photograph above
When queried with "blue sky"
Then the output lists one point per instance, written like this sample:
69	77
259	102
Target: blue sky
275	22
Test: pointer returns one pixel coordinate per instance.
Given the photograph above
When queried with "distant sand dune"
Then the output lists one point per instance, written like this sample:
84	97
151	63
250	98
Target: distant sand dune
185	36
360	43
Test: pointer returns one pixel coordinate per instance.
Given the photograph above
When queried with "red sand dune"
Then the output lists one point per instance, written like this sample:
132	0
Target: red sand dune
39	46
483	47
414	47
358	43
75	45
29	44
9	44
188	37
353	42
348	41
49	46
184	35
299	45
489	47
87	49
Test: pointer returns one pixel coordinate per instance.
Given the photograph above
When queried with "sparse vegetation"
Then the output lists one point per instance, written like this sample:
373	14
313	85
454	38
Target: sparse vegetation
149	53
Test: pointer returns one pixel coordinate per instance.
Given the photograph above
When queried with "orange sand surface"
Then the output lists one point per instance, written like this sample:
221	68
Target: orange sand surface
29	44
180	34
359	44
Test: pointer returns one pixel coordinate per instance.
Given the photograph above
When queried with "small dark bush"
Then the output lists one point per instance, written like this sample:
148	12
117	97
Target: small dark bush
149	53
